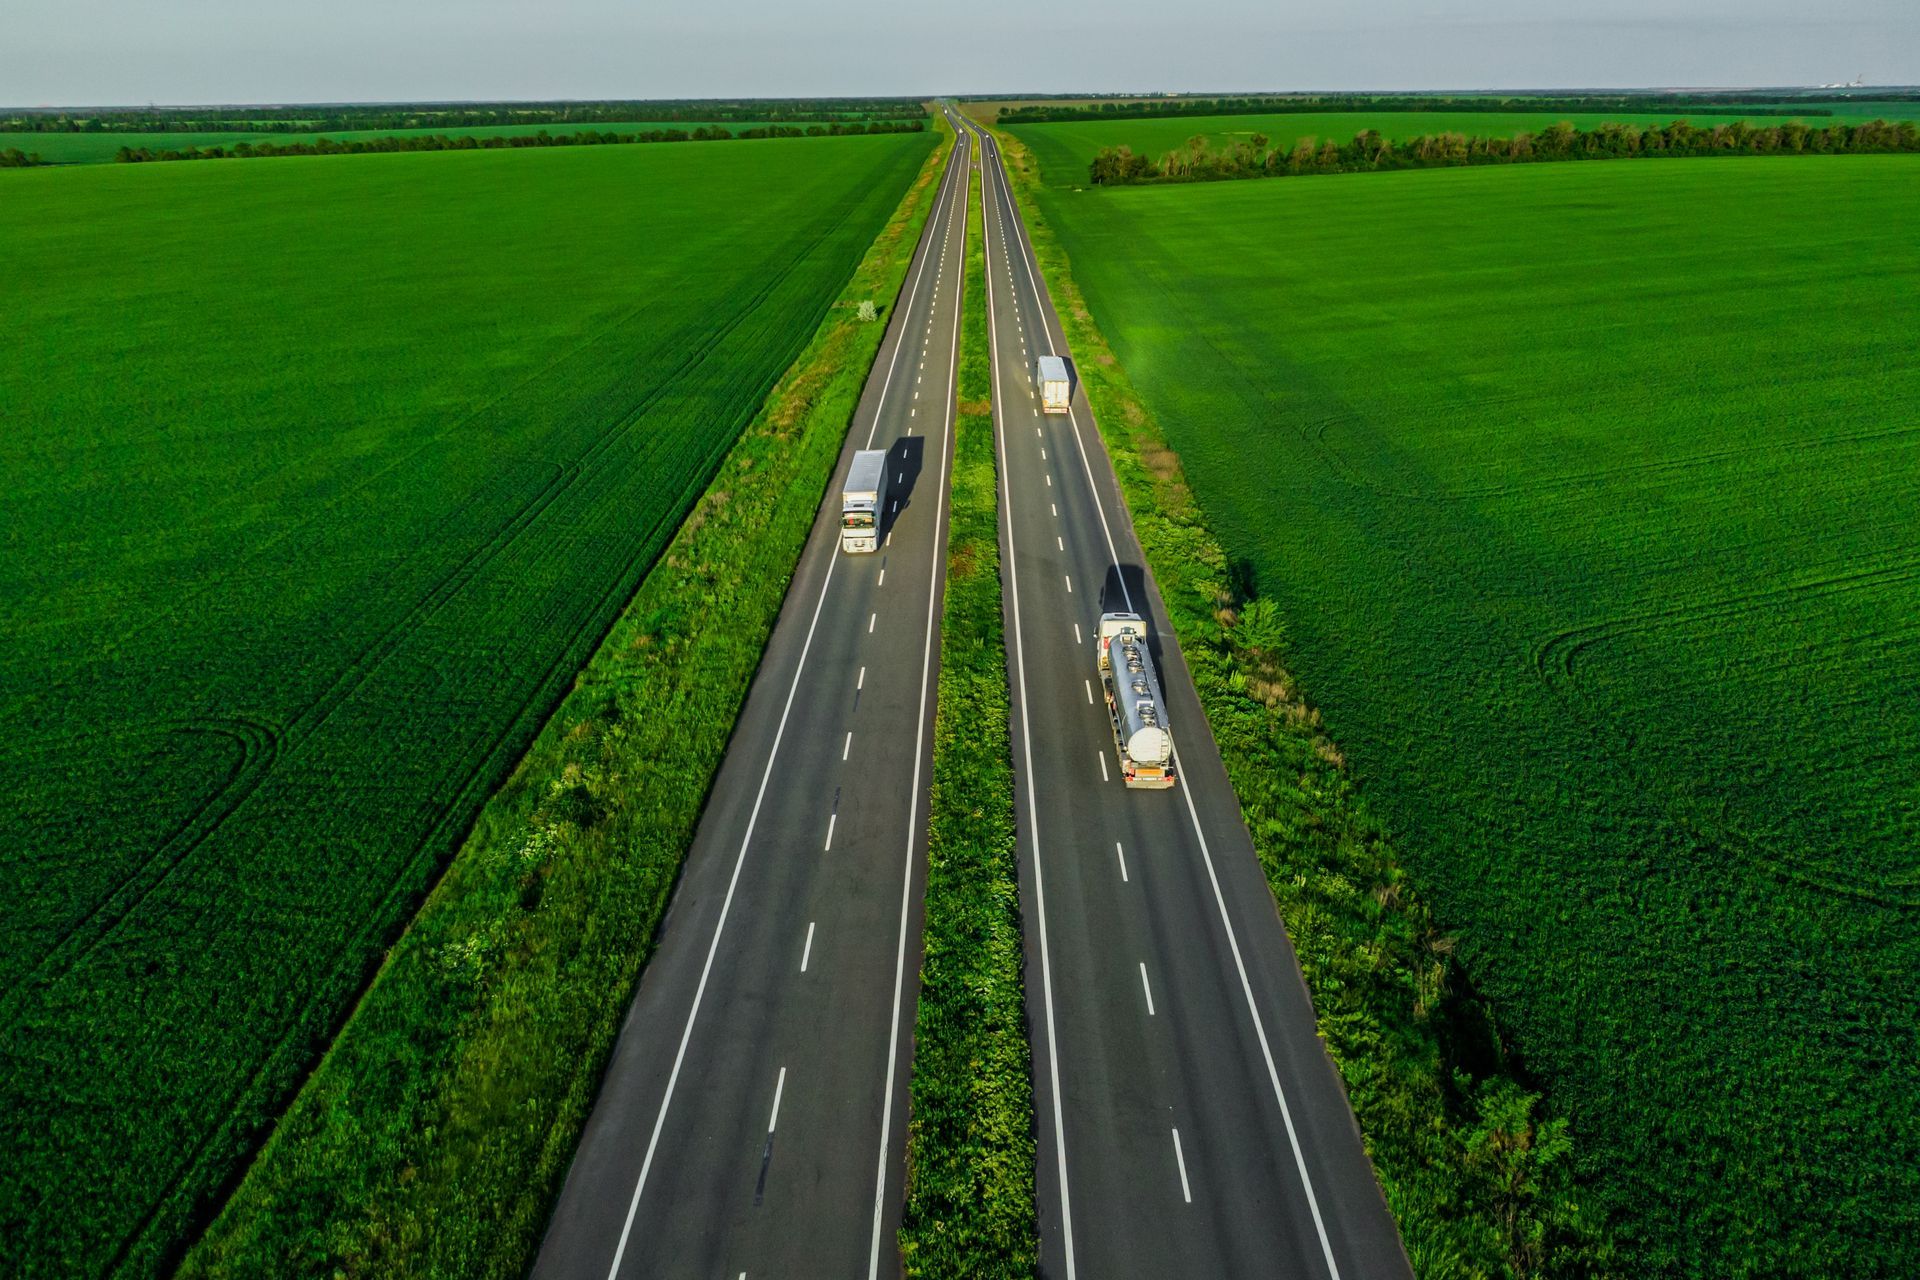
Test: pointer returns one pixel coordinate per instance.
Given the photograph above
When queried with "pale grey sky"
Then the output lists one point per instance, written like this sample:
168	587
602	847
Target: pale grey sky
63	52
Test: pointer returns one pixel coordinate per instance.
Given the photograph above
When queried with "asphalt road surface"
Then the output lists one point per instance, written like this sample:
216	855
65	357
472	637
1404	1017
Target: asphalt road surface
1189	1122
753	1118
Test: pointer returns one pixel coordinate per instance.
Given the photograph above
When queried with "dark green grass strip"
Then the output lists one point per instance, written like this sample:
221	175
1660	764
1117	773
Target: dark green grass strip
1476	1172
970	1175
433	1137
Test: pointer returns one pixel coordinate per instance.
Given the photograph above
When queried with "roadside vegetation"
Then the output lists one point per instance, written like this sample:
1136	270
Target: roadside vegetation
970	1154
1370	151
289	592
1593	547
1476	1169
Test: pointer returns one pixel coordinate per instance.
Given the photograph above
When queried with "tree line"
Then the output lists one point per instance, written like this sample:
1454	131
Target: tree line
1199	161
470	142
337	118
15	158
1299	104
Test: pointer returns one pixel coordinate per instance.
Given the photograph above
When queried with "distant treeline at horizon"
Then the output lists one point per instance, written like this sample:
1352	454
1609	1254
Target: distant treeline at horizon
1775	104
1371	151
335	117
495	142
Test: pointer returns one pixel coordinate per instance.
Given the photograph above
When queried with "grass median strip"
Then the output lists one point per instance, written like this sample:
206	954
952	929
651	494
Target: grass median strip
970	1156
434	1135
1476	1171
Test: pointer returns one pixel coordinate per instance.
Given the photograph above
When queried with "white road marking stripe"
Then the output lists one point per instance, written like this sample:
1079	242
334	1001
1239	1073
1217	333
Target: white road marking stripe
871	619
831	819
1049	482
779	1087
1076	634
1101	756
1146	987
1059	543
1069	578
1180	1157
807	951
848	747
883	579
861	683
1043	455
1055	510
1033	806
1089	685
1193	814
1121	854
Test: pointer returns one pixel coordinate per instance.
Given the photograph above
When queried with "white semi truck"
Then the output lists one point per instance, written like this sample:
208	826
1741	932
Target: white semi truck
1134	702
1051	381
860	501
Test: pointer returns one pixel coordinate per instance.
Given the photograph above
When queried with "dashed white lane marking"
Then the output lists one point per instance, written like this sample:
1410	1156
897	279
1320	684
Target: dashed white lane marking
870	621
1101	756
1076	634
1049	482
883	579
1056	511
779	1087
846	749
861	683
1121	854
1146	987
831	818
1069	578
1180	1158
1058	543
1043	455
806	952
1089	685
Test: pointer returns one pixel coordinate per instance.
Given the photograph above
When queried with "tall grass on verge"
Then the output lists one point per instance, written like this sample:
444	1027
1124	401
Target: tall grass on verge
1475	1168
970	1157
434	1136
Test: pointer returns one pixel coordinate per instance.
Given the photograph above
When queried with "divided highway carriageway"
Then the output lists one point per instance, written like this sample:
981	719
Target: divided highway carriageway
752	1120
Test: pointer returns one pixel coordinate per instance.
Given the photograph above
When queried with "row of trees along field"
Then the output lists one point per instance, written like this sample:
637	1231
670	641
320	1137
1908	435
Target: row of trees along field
15	158
1743	104
469	142
336	117
1198	161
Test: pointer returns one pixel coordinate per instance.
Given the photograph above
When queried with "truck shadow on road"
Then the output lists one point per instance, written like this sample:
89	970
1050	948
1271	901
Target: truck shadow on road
1126	591
905	459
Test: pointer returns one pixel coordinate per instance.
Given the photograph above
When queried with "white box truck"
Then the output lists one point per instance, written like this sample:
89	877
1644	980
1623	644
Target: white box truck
1051	381
860	501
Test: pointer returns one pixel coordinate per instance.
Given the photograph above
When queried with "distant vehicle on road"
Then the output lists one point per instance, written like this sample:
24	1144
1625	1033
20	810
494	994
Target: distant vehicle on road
1134	703
1051	381
860	501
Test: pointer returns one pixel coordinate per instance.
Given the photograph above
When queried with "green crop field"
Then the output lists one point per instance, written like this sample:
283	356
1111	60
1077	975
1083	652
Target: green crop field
323	478
1063	150
99	148
1587	495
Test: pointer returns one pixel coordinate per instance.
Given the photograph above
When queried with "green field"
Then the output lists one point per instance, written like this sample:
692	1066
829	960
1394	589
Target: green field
1586	494
323	480
98	148
1064	150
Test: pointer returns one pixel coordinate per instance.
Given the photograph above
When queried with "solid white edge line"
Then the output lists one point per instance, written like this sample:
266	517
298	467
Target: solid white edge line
1180	1158
1033	804
919	747
733	881
1193	813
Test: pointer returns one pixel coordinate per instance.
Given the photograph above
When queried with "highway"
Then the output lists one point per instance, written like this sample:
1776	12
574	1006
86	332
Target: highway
752	1121
1189	1121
